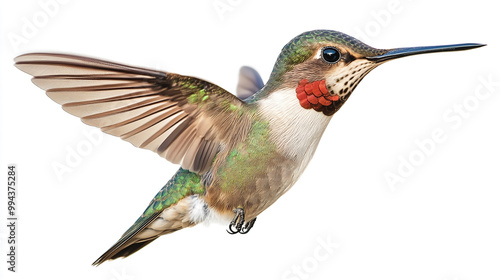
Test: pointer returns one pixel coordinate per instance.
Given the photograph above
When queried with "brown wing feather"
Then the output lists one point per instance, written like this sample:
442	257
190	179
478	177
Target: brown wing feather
183	119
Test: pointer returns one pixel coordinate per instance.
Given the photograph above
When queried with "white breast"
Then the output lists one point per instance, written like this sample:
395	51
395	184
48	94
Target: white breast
295	131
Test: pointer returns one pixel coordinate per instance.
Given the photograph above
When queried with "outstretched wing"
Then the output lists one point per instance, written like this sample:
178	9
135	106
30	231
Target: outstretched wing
183	119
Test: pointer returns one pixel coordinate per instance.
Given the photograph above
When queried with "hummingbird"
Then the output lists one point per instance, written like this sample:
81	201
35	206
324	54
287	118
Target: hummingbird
237	155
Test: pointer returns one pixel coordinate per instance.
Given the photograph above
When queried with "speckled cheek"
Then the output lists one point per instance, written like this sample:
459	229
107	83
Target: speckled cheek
344	81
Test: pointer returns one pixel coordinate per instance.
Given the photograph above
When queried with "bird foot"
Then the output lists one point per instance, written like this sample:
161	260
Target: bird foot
238	224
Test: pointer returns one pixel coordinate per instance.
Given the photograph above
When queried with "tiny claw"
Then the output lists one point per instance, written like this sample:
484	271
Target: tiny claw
238	225
231	230
237	222
248	226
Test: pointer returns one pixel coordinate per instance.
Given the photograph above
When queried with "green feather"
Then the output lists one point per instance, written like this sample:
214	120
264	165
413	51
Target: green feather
300	48
248	158
184	183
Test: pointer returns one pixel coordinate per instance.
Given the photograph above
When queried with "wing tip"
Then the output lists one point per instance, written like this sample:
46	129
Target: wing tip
36	56
22	66
20	58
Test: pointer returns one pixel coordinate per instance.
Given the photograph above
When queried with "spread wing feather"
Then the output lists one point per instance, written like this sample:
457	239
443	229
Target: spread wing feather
184	119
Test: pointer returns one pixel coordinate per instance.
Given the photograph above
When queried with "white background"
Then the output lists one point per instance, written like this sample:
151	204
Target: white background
442	222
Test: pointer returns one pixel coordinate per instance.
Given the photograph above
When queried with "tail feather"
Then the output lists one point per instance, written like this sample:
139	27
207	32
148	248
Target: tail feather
123	252
176	206
145	231
126	245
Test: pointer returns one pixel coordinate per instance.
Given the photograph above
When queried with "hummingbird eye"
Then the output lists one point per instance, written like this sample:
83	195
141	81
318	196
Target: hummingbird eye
330	55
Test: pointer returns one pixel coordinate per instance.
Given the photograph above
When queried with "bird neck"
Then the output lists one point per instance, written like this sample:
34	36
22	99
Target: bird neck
294	130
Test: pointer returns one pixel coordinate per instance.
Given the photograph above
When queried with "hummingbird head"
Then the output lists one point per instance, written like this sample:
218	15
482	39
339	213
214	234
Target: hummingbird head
325	66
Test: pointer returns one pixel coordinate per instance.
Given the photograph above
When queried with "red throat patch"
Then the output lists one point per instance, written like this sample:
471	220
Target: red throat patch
314	95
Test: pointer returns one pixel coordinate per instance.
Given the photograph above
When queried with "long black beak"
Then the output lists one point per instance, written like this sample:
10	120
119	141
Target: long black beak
402	52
